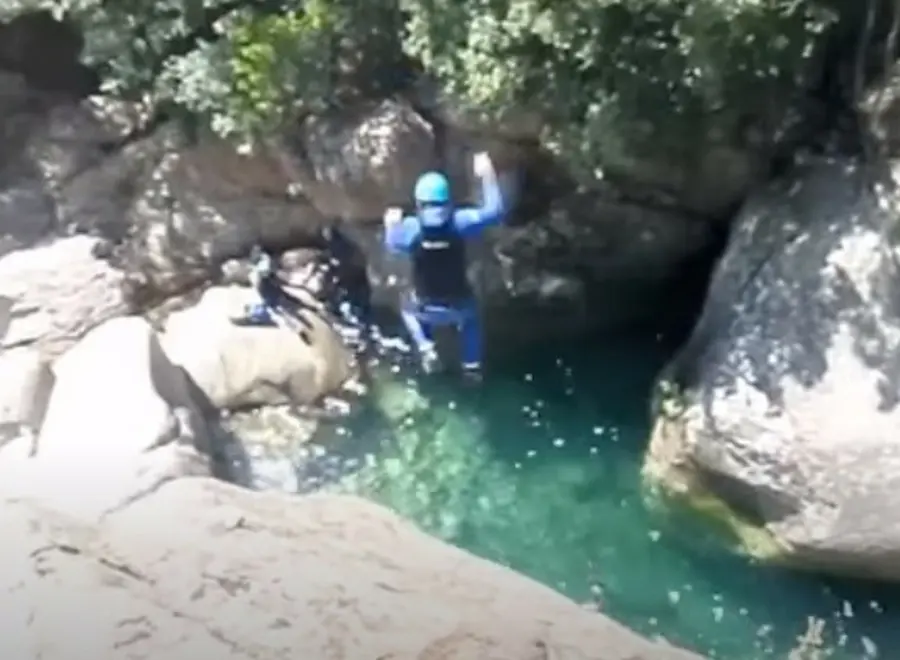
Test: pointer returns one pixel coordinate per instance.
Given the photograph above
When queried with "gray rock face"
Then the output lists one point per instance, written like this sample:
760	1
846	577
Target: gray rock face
26	381
172	210
786	398
59	290
200	569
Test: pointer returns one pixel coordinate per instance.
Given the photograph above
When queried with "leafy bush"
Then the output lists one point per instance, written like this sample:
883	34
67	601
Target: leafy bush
239	65
603	75
606	73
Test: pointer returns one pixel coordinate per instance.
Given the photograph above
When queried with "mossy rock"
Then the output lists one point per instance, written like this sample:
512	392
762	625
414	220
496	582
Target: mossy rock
671	480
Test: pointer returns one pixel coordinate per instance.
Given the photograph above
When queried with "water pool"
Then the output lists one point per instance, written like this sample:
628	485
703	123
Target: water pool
538	469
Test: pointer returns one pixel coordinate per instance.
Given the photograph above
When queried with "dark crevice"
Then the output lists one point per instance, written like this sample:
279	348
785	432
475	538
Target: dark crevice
46	53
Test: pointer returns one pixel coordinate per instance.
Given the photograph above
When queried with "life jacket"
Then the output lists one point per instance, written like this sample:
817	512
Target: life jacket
439	259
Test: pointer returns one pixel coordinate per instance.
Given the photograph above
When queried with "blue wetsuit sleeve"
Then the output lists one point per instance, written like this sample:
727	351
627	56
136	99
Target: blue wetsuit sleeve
472	220
401	237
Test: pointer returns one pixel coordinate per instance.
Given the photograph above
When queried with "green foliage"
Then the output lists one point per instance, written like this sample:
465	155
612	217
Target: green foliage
605	74
239	65
281	62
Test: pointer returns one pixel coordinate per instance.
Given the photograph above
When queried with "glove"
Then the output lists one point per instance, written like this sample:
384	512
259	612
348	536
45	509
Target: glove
393	216
482	165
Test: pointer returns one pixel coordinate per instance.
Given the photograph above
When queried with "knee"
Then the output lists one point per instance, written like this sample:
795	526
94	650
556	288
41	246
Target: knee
471	320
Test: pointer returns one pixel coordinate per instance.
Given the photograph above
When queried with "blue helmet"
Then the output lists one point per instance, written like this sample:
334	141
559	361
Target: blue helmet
432	188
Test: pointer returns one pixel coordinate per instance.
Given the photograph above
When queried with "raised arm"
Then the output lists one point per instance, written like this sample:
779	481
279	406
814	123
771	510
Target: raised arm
471	221
400	233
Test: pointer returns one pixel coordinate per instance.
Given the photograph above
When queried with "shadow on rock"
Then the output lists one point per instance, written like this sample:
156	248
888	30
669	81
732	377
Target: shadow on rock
229	458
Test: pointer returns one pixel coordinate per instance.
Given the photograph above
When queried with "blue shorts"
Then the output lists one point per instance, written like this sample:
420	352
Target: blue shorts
421	317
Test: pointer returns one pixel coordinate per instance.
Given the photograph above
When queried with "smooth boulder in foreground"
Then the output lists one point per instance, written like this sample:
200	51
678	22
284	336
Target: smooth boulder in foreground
202	569
784	403
120	420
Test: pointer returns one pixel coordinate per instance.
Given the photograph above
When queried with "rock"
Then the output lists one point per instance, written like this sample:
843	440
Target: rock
238	366
174	210
25	385
180	209
294	267
198	569
120	421
111	169
6	306
702	167
207	203
354	166
879	112
91	158
60	290
784	403
610	268
26	211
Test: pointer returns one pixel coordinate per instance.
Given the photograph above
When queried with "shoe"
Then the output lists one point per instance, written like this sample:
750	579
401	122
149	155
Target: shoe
254	315
471	373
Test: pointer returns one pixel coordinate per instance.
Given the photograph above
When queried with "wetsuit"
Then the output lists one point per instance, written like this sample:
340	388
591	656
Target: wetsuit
435	240
264	280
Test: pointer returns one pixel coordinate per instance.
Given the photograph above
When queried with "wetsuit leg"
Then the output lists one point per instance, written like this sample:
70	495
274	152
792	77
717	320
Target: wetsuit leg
471	339
418	327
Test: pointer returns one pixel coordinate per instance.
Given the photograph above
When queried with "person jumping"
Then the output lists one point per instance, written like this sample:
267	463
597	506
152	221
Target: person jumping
434	238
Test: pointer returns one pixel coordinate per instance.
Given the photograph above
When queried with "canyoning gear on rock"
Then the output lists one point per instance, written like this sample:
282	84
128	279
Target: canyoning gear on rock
259	314
434	239
273	304
262	279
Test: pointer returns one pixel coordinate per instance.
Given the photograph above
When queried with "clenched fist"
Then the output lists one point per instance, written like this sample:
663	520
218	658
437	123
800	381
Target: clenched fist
482	165
393	216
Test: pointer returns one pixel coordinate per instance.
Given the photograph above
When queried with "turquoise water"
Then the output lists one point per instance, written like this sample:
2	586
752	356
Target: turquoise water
539	470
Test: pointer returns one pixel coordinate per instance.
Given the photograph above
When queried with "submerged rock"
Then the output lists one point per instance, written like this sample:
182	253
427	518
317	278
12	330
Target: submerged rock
203	569
784	403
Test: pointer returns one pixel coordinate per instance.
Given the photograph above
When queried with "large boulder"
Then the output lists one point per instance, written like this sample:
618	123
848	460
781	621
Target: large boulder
59	290
354	165
176	209
203	569
784	403
239	366
26	381
120	421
